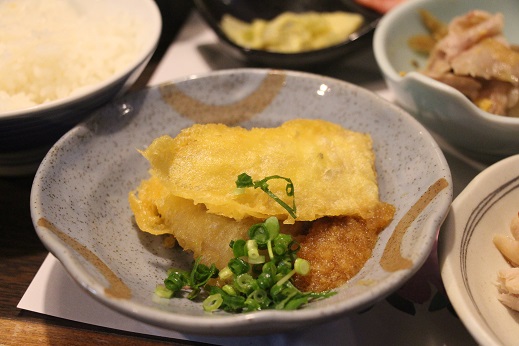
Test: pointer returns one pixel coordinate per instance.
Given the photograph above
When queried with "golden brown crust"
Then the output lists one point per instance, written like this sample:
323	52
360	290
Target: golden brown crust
338	248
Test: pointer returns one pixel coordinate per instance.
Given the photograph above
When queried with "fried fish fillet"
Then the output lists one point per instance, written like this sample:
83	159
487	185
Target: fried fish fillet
157	211
332	168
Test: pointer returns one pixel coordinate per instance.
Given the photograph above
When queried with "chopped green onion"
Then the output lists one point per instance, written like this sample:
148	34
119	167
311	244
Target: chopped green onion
272	226
257	260
295	302
239	248
259	233
301	266
213	302
201	274
265	280
284	266
231	303
285	278
258	300
281	244
176	280
244	283
245	180
252	248
238	266
275	291
229	290
225	274
290	294
163	292
254	255
269	268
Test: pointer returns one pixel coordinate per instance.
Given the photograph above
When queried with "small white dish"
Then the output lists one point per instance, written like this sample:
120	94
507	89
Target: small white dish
79	197
469	261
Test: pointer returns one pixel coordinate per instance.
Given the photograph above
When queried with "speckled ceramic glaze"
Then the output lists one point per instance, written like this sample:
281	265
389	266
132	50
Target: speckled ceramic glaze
79	198
469	260
440	108
27	134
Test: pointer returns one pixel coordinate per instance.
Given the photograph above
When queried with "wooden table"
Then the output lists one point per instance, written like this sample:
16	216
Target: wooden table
22	253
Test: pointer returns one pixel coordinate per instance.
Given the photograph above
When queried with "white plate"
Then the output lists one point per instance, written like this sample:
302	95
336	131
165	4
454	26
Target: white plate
469	260
82	185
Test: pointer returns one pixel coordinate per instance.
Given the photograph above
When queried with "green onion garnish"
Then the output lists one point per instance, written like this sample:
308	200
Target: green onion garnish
244	180
213	302
254	279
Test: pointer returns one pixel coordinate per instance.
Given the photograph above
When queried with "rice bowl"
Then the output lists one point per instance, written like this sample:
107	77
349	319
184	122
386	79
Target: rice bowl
87	52
48	49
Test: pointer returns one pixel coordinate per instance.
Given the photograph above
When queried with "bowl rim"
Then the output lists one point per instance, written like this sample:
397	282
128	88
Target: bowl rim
149	46
380	51
211	326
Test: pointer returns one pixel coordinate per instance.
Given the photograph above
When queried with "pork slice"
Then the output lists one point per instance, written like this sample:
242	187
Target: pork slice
489	59
465	31
508	281
437	64
468	86
497	97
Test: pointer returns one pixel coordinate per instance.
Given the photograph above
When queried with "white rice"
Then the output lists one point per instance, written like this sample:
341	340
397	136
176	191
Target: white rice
51	49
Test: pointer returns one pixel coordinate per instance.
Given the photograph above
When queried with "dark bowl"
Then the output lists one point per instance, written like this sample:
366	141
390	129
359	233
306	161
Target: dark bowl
213	10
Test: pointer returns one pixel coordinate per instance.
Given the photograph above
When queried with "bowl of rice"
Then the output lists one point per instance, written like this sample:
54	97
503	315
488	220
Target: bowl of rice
63	59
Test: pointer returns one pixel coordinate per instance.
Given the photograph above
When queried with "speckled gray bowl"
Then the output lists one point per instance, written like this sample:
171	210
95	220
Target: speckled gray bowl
79	197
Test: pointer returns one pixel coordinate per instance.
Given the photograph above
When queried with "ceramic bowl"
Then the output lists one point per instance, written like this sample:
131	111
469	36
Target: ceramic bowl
213	10
27	134
440	108
469	260
79	197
